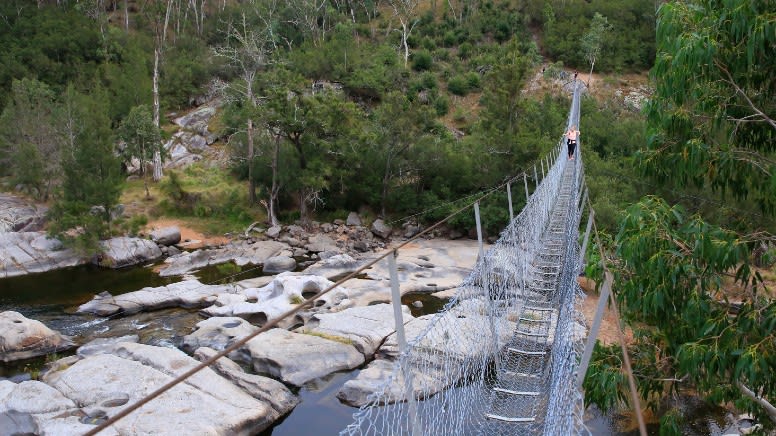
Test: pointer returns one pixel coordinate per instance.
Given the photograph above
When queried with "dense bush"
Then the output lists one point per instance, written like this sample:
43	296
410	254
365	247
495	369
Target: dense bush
422	61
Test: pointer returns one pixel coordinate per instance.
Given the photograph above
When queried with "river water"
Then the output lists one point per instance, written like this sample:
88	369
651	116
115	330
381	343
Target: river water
53	297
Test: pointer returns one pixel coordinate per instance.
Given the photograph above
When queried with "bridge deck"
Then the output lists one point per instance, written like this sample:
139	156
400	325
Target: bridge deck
518	400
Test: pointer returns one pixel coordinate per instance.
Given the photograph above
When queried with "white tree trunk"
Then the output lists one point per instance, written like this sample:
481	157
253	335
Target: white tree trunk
404	42
155	84
590	74
275	190
251	183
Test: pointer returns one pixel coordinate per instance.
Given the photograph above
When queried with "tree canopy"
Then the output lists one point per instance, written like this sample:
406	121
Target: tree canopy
711	119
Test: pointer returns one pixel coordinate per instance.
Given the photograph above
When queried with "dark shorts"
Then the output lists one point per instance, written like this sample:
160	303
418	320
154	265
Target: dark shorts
572	144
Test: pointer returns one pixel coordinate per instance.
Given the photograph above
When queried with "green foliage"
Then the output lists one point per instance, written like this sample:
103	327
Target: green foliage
714	86
92	172
593	40
56	45
30	136
605	384
142	139
630	47
672	285
458	85
670	423
422	60
187	68
442	105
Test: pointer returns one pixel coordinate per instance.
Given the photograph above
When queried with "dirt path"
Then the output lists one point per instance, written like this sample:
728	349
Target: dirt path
190	238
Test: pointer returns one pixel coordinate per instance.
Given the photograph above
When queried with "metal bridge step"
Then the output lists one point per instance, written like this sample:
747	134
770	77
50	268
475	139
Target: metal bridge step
521	374
511	392
534	320
508	419
531	334
539	309
527	353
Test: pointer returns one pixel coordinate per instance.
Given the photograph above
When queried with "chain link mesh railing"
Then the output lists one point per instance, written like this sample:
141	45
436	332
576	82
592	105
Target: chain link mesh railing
501	357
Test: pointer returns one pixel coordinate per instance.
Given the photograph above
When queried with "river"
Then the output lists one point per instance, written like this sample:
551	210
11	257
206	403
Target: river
53	297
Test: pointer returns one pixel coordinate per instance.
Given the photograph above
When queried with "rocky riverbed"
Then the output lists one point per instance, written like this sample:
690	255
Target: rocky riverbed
127	343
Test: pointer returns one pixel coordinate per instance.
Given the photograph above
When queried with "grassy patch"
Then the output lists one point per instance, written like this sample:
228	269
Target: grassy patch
208	198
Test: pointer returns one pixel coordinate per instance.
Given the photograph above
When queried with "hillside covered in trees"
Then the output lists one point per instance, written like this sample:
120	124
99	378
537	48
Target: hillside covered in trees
426	104
400	108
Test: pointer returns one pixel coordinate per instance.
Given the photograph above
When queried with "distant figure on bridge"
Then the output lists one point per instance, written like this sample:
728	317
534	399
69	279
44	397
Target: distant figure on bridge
575	75
571	140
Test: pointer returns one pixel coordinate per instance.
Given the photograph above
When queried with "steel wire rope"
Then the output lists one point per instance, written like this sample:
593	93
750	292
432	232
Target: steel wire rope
497	187
621	336
272	323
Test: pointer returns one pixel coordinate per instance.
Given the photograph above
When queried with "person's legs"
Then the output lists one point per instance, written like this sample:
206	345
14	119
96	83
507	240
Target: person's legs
572	146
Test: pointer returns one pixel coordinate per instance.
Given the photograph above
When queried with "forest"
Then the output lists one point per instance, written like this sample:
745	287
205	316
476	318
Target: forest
401	108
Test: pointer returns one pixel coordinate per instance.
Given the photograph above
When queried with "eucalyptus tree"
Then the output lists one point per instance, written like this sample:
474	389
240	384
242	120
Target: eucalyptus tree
318	127
158	13
406	11
703	318
142	139
30	139
249	49
399	124
593	40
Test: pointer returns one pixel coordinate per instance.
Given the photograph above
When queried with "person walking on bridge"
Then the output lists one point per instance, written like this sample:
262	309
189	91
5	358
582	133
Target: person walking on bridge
571	140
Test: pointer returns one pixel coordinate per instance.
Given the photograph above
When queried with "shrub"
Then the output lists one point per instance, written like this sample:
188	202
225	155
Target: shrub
422	61
458	86
442	105
450	38
465	50
473	80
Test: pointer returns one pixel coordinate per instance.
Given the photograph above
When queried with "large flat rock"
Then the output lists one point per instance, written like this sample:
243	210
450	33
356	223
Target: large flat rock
262	388
298	358
19	215
283	293
125	251
33	252
206	403
217	333
22	405
23	338
424	266
241	253
187	294
365	327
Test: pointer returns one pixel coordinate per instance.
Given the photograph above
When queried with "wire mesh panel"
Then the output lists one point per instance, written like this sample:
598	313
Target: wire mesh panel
501	357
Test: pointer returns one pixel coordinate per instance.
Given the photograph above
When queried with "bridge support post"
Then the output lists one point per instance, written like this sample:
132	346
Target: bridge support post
606	289
525	182
536	177
585	241
581	205
509	198
481	256
402	339
542	162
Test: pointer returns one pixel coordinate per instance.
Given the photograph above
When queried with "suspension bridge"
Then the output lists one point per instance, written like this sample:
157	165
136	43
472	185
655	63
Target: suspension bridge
505	355
512	369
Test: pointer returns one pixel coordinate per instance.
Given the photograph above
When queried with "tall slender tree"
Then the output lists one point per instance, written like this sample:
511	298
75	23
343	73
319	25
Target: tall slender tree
249	50
142	139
